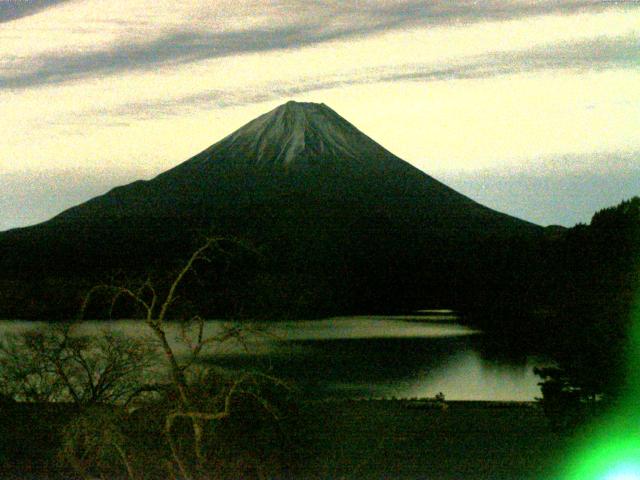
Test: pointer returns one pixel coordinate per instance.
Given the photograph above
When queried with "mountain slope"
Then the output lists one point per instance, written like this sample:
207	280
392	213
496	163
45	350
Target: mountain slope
329	207
298	149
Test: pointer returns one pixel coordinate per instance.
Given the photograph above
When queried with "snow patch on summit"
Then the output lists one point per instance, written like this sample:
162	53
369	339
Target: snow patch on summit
300	132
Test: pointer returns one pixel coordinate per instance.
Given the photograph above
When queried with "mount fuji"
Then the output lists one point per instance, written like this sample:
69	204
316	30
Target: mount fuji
341	221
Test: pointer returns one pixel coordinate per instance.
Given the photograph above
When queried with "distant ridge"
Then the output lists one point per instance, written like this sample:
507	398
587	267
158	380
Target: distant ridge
337	215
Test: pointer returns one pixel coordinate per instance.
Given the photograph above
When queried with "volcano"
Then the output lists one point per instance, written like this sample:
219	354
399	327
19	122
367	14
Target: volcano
341	222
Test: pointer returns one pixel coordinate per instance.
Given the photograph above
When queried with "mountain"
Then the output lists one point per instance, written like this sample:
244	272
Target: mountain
300	149
343	223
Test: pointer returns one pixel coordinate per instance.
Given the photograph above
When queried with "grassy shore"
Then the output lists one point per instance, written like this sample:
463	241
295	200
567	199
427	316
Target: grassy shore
364	439
413	440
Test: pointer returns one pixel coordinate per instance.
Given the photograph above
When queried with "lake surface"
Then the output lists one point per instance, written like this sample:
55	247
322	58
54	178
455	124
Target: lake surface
393	356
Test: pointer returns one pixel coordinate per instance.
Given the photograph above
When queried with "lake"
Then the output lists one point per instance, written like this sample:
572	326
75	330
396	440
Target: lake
369	356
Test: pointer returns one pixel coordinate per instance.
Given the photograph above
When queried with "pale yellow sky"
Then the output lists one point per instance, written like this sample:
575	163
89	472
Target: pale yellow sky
452	86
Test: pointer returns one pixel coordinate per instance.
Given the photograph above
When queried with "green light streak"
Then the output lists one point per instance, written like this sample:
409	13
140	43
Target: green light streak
612	451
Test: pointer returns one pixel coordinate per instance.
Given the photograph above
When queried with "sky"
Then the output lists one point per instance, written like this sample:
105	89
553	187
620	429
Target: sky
529	107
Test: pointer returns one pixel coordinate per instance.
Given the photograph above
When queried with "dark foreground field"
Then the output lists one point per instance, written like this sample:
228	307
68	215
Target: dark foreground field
377	439
407	440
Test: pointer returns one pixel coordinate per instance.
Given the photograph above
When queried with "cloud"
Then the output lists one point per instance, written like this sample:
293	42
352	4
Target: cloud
219	98
295	24
169	50
14	9
455	12
587	55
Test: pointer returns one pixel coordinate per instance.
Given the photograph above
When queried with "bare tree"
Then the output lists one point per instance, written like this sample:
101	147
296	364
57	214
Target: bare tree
190	403
58	363
94	441
23	376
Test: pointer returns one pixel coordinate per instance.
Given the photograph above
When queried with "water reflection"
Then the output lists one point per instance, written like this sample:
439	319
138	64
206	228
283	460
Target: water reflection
406	356
467	376
391	357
